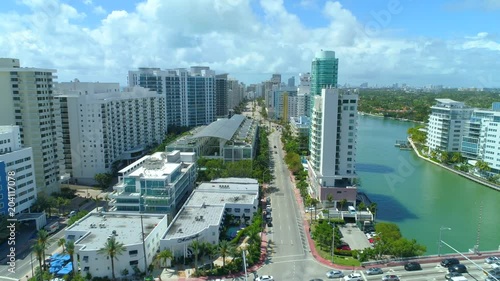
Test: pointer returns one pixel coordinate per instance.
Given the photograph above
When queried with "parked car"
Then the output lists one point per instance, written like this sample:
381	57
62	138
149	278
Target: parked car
374	271
412	266
495	265
310	209
72	214
390	278
449	275
490	260
264	278
269	224
449	262
353	277
458	268
334	274
344	247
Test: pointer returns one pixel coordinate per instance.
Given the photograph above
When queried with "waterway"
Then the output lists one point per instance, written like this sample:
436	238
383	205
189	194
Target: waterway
421	197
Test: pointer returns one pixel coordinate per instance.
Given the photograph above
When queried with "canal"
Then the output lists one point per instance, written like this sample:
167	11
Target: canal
421	197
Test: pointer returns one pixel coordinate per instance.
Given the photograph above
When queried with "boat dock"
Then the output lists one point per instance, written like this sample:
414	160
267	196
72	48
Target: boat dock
403	144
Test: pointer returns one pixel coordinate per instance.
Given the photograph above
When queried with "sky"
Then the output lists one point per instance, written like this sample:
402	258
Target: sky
454	43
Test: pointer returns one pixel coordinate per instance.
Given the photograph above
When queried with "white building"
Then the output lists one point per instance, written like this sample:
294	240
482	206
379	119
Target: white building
446	125
16	163
27	101
102	125
332	164
157	183
190	94
202	216
92	231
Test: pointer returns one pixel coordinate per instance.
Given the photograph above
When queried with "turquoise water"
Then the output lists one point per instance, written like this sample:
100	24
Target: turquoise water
421	197
232	231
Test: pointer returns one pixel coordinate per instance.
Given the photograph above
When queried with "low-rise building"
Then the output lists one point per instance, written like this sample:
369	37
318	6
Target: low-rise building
139	233
300	125
157	183
204	213
228	139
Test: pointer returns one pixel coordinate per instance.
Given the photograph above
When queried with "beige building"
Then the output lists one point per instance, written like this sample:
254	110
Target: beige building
27	101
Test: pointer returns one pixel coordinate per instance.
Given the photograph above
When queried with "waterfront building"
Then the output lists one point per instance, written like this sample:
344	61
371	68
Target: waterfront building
471	141
446	125
103	126
333	134
139	233
16	167
203	215
27	101
230	139
157	183
190	94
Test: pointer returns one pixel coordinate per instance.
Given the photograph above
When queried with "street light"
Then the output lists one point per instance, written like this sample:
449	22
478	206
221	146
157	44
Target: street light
440	234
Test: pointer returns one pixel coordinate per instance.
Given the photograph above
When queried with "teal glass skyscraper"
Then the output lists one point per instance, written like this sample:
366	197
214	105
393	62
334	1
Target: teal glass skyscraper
324	72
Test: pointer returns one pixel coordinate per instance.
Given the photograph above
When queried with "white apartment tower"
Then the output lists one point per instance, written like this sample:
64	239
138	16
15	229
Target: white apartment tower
102	126
446	125
333	143
16	162
189	94
27	101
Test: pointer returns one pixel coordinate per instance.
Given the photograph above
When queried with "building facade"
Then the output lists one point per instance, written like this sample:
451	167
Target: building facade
157	183
333	134
103	126
189	94
139	233
27	101
446	125
221	96
17	173
204	213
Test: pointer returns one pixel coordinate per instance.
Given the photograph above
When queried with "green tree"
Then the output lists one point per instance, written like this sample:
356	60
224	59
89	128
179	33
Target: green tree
70	250
163	256
112	249
361	206
456	157
342	204
42	239
329	198
196	247
445	157
61	243
482	166
104	180
224	248
39	251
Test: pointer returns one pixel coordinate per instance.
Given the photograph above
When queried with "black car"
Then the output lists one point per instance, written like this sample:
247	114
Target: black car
412	266
458	268
452	274
269	224
449	262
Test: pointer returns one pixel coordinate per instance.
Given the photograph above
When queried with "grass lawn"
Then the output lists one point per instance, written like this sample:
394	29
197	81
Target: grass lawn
340	260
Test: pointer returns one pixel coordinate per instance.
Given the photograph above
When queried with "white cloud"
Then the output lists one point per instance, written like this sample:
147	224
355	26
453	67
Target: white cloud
229	36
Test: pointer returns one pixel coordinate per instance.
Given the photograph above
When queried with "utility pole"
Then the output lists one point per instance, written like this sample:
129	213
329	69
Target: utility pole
144	247
245	264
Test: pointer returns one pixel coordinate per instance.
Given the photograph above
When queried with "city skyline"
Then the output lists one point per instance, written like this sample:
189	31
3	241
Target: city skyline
451	43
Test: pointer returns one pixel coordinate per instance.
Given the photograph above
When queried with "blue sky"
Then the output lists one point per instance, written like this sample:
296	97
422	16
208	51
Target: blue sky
449	42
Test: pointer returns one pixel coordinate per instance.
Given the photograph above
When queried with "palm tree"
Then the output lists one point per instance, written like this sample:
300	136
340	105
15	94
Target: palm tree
42	239
163	256
342	203
373	209
329	198
70	250
62	242
112	249
253	236
361	206
223	249
39	252
96	200
196	247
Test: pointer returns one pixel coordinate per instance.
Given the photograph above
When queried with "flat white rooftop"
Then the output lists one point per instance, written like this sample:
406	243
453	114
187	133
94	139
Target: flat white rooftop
192	220
127	227
201	197
164	171
231	185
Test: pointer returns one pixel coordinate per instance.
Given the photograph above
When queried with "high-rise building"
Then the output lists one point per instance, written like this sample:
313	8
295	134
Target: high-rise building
446	125
17	174
332	164
221	96
103	126
27	101
324	72
291	82
190	94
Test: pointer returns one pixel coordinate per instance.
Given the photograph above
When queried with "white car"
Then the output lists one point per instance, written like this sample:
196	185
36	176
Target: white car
491	260
310	209
264	278
353	277
495	265
334	274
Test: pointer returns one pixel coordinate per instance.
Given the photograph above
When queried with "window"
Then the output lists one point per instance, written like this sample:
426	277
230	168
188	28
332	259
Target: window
237	210
134	262
132	253
86	268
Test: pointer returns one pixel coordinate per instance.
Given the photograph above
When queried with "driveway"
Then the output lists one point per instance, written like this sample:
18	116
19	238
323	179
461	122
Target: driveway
353	236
